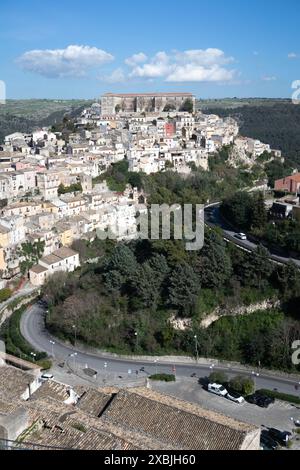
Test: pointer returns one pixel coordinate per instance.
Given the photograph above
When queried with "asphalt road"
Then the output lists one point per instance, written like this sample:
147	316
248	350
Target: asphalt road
34	331
213	218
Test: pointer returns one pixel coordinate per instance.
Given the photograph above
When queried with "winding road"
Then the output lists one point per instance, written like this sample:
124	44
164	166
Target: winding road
214	219
34	331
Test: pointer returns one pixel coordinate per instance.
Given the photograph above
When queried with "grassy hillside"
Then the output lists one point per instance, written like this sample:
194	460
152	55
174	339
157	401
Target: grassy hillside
25	115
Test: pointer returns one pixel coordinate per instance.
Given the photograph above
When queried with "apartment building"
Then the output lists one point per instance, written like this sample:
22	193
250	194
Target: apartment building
64	259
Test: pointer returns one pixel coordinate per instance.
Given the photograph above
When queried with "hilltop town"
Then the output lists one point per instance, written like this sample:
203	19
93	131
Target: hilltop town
51	191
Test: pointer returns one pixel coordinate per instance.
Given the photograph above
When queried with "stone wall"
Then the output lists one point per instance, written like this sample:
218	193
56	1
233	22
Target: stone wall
239	311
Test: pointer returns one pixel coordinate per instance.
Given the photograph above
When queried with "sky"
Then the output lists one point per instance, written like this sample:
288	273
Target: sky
81	49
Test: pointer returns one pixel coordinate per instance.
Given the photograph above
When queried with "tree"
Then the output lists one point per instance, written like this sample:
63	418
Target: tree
147	285
149	280
169	107
76	187
213	264
218	378
238	209
288	278
30	253
259	217
187	106
243	385
257	268
120	268
5	294
184	288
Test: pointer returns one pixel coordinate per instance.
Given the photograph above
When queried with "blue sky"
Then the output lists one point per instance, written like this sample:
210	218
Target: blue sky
220	48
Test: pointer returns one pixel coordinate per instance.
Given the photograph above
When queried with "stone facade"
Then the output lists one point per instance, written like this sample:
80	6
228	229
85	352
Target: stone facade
145	102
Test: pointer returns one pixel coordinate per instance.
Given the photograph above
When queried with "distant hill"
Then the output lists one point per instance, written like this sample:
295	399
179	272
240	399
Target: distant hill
26	115
273	121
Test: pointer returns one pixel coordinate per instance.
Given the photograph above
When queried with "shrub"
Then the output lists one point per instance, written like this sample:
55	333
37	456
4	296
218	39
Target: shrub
281	396
45	364
14	341
242	385
218	377
5	294
163	377
80	427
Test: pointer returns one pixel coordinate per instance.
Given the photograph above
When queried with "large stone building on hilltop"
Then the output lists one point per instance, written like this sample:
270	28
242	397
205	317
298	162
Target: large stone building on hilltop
143	102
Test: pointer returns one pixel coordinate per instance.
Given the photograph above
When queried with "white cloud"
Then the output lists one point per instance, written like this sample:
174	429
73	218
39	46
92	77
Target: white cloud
117	76
194	73
271	78
136	59
293	55
73	61
194	65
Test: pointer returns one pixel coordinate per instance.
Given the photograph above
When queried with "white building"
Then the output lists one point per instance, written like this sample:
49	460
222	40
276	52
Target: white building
64	259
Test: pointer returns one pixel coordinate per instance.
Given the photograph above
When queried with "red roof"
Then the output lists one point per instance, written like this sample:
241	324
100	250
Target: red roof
127	95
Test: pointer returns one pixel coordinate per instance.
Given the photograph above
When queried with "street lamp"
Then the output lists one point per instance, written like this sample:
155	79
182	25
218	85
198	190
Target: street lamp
33	355
196	347
136	340
75	335
255	374
74	358
52	347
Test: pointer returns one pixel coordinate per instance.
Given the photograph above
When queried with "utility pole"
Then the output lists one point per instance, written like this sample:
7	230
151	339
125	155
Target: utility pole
196	347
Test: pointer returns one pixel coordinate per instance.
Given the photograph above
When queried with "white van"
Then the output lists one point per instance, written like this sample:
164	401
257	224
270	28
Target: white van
217	389
47	376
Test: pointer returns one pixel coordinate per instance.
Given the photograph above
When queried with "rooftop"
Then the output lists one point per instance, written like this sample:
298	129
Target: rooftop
127	95
13	382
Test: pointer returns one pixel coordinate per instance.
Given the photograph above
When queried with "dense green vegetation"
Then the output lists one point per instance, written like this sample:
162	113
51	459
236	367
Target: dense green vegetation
76	187
15	343
274	122
163	377
240	384
118	177
247	212
5	294
30	253
170	188
124	302
281	396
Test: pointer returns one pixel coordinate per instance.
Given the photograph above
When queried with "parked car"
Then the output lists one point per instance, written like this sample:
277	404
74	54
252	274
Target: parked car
217	389
236	397
194	375
47	376
297	423
241	236
267	442
282	437
260	400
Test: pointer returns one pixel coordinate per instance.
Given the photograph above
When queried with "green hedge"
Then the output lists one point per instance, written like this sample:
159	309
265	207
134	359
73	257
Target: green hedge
281	396
163	377
5	294
14	341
